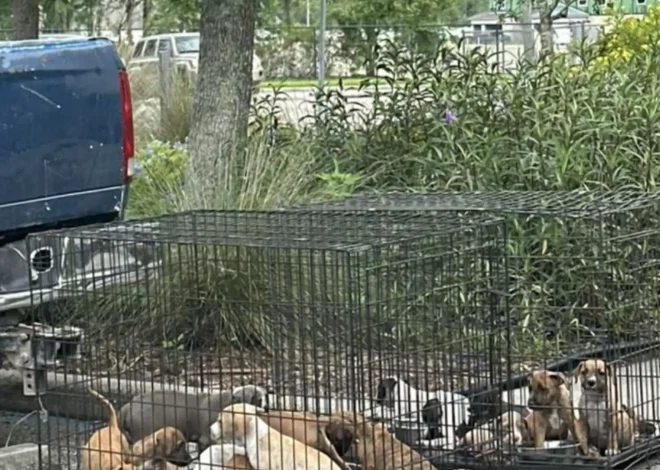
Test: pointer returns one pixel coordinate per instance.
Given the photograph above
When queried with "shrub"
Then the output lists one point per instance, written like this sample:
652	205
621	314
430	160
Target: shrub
630	39
446	121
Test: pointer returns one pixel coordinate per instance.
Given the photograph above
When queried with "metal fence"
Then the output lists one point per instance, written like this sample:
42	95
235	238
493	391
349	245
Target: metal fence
351	51
409	322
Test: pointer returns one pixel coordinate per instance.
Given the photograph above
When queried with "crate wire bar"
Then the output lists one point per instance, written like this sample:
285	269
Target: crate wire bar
311	307
582	283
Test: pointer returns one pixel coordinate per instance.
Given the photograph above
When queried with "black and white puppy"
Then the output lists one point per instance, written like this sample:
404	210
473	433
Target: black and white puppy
442	412
192	414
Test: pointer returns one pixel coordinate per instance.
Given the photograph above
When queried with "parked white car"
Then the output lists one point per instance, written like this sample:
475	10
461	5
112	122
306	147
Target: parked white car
184	48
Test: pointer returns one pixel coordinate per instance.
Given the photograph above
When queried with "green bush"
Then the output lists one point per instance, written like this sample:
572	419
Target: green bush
448	121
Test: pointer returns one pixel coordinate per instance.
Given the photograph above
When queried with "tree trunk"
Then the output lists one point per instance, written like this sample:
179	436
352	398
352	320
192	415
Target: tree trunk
224	86
130	8
287	12
25	19
146	11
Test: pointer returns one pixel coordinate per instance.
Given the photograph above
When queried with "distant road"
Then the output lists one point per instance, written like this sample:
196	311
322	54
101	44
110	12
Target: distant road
293	104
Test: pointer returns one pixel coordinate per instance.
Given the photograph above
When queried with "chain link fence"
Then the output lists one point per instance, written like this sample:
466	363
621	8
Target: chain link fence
351	51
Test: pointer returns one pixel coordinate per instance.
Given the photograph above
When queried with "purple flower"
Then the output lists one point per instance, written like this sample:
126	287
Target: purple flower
449	117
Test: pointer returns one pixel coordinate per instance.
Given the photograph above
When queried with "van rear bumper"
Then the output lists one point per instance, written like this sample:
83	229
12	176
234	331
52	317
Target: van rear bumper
53	209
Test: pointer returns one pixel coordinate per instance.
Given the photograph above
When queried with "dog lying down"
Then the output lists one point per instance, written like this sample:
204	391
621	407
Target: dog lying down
376	447
265	447
192	414
228	456
311	430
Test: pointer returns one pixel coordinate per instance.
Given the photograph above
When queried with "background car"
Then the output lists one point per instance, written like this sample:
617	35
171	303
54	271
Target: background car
184	48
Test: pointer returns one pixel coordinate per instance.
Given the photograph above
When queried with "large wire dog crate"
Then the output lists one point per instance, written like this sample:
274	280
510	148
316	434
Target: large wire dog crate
581	283
309	306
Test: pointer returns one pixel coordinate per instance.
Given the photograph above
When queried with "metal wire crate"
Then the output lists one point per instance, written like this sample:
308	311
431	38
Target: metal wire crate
312	307
582	283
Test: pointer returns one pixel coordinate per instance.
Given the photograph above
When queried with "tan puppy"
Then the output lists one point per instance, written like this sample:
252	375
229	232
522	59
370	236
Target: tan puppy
552	413
265	447
602	418
167	443
107	448
376	447
512	429
307	428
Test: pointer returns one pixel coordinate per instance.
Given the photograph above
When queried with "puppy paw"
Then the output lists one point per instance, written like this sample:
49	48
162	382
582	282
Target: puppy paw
610	452
593	452
431	443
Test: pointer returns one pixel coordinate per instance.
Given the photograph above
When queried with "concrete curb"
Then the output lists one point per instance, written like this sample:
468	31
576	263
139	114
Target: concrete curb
22	456
67	396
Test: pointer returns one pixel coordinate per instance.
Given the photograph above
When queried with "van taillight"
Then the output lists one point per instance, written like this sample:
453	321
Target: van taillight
127	142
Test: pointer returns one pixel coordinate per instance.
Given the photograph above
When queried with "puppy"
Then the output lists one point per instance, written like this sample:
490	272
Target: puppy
107	448
192	414
552	415
444	430
432	418
479	440
222	456
309	429
167	443
644	428
376	447
512	429
602	418
266	448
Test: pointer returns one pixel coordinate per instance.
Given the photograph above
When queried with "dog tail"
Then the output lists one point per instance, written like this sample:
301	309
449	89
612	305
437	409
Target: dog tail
113	422
643	427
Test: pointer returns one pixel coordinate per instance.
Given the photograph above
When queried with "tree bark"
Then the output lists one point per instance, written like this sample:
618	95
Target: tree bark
224	86
25	19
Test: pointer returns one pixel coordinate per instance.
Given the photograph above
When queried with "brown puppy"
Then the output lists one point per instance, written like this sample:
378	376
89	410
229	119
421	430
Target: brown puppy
552	413
107	448
376	447
167	443
307	428
265	447
602	418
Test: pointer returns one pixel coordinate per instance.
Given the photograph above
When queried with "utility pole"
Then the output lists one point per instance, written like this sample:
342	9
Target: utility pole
528	30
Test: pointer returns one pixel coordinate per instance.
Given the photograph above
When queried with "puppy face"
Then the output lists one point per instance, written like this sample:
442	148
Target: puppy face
234	423
174	446
545	389
385	394
166	443
340	436
252	395
594	375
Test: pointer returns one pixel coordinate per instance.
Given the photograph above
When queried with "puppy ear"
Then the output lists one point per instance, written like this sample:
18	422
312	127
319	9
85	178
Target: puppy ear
558	378
579	369
610	370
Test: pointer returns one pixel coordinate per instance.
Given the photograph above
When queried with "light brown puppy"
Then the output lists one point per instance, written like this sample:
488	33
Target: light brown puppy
265	447
305	427
602	418
552	413
107	448
166	443
375	446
